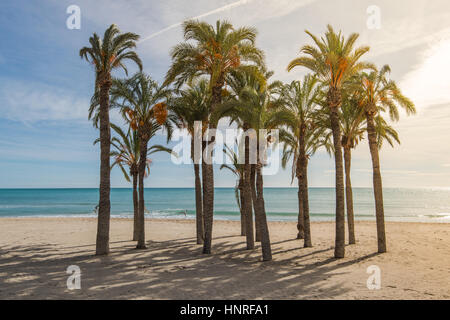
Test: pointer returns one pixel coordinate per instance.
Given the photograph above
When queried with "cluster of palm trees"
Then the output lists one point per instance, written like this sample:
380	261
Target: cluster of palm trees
218	72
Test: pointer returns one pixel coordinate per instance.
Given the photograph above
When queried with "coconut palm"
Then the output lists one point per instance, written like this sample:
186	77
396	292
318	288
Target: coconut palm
237	168
190	106
143	105
334	60
378	94
213	53
105	55
299	113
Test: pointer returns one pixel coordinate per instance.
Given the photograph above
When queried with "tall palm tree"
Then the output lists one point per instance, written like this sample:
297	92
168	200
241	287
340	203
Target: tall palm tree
214	53
237	168
256	78
143	105
379	94
353	128
105	55
237	81
334	60
299	113
253	107
190	106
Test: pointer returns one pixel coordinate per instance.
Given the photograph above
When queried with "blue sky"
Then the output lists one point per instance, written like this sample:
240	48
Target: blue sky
46	138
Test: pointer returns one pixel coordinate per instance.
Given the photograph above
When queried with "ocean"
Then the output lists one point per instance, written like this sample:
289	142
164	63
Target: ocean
401	204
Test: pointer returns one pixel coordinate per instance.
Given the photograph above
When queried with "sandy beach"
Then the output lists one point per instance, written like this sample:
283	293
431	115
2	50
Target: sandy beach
35	253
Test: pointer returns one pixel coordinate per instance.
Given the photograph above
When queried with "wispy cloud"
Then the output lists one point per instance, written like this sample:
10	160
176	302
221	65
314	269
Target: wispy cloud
204	15
260	10
29	102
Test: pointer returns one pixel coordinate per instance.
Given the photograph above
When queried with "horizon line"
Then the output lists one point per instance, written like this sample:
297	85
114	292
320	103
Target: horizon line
229	187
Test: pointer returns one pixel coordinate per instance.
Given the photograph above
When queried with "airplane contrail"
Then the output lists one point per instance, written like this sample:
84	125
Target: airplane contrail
221	9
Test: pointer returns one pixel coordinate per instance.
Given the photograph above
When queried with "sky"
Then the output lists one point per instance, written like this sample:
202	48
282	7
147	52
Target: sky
46	137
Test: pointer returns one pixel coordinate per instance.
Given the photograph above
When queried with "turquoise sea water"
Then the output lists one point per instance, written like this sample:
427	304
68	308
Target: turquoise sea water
401	204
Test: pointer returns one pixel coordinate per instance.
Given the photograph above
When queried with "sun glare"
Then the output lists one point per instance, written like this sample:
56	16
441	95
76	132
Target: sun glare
426	84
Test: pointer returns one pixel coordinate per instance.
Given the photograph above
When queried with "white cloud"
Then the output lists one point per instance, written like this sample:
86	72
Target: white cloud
427	83
30	102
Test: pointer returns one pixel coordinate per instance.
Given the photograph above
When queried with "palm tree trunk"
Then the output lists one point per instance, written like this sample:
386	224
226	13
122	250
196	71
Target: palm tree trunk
208	205
300	219
305	203
248	198
198	204
377	184
303	186
241	195
141	206
254	199
349	196
260	215
208	173
198	198
334	101
104	205
135	207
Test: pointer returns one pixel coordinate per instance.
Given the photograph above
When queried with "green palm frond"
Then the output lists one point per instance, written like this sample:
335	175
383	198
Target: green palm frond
333	58
377	96
212	51
108	54
301	110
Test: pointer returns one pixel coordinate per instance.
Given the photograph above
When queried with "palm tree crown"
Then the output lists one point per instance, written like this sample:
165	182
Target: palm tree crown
109	54
126	150
377	93
142	103
192	104
301	116
215	52
334	59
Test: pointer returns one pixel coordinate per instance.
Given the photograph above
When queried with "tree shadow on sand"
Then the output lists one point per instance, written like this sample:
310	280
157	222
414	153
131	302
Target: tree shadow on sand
172	269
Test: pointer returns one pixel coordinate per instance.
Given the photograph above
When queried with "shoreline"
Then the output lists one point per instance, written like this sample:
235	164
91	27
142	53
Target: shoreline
290	220
36	253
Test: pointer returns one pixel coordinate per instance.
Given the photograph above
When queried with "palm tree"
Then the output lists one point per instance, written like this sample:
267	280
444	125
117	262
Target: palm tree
299	113
126	154
237	168
107	54
252	77
254	107
143	105
190	106
214	53
378	94
352	126
238	80
334	60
